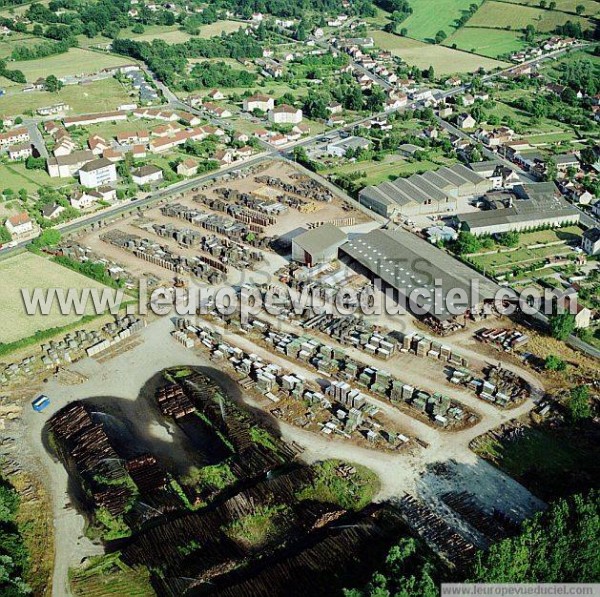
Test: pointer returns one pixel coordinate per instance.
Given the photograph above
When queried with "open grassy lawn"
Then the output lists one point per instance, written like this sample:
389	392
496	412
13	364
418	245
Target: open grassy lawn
171	35
431	16
74	62
500	15
15	176
390	168
9	42
592	7
219	27
96	96
444	60
487	42
30	271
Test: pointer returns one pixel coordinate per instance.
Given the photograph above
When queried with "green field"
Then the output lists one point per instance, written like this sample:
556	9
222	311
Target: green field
444	60
74	62
97	96
431	16
15	176
171	35
592	7
503	15
9	42
31	271
390	168
487	42
220	27
501	262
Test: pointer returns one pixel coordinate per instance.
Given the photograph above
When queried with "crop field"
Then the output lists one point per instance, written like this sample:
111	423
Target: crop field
27	270
444	60
431	16
97	96
591	7
74	62
487	42
501	15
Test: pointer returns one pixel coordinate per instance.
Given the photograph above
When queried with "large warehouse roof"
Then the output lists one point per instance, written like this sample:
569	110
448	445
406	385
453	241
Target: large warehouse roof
406	262
320	239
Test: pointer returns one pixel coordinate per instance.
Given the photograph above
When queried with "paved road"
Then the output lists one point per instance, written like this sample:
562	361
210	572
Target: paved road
36	137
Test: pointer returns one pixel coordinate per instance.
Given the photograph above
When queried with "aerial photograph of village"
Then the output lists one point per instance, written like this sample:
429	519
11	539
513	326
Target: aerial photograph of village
299	298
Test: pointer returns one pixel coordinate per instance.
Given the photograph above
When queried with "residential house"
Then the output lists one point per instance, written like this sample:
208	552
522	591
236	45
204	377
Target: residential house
99	117
20	152
147	175
590	241
215	95
258	102
97	173
285	114
81	199
187	167
68	165
19	135
97	144
19	224
52	211
466	121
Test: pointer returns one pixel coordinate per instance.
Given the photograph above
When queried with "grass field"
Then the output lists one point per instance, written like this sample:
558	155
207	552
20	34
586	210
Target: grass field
16	176
444	60
220	27
9	42
171	35
389	169
502	15
487	42
431	16
592	7
97	96
30	271
74	62
501	262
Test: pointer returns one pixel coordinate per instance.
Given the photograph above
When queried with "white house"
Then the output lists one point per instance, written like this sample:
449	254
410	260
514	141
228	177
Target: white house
258	102
19	224
81	199
215	95
285	114
146	175
97	173
20	152
466	121
590	241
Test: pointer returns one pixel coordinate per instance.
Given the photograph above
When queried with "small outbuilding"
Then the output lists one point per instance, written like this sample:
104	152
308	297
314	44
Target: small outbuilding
319	245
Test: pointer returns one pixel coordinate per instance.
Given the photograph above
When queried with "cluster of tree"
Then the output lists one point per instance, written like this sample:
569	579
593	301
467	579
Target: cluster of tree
560	545
562	325
14	75
169	61
466	15
580	75
554	363
400	10
94	270
282	8
467	243
40	50
14	557
571	29
5	236
217	74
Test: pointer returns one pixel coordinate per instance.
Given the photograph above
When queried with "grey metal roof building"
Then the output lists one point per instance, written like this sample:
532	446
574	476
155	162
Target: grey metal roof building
406	262
434	192
539	204
318	245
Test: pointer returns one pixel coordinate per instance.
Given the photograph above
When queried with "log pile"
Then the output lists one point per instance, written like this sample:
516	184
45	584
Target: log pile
173	402
146	473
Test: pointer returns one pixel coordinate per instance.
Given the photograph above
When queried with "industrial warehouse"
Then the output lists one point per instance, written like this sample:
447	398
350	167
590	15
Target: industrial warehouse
531	206
407	263
430	193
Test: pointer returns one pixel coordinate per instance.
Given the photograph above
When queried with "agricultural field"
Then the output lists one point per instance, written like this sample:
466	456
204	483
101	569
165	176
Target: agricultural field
498	15
74	62
444	60
27	270
487	42
591	7
171	35
97	96
431	16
